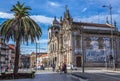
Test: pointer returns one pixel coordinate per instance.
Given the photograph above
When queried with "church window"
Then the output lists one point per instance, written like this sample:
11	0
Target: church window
78	42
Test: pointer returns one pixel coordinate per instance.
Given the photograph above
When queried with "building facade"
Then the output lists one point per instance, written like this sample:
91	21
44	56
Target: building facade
77	42
24	61
11	56
4	55
42	60
32	60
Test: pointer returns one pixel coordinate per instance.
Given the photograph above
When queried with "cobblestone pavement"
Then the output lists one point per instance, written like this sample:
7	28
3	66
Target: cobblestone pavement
48	76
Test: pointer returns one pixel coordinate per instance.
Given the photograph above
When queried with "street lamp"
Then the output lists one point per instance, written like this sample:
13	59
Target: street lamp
83	49
0	60
36	57
110	8
36	52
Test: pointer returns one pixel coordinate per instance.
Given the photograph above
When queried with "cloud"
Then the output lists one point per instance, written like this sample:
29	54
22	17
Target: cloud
84	10
42	19
54	4
97	18
43	41
41	47
6	15
37	18
29	51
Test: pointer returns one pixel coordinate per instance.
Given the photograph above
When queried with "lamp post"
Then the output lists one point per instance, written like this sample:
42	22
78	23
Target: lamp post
0	59
110	8
36	56
38	53
83	49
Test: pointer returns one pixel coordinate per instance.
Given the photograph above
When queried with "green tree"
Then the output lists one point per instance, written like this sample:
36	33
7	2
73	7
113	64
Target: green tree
20	29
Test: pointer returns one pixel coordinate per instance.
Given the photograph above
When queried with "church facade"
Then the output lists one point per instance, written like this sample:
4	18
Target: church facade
80	42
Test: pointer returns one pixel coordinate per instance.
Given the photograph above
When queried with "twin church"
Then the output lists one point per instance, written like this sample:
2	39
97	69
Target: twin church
75	42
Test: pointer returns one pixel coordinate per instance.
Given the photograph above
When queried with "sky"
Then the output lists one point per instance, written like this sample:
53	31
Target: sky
43	12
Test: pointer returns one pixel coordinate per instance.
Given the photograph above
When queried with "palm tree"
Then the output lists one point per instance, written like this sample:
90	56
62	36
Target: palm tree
20	29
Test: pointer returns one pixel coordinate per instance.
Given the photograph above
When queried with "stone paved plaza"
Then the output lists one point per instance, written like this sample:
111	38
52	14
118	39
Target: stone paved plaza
92	74
48	76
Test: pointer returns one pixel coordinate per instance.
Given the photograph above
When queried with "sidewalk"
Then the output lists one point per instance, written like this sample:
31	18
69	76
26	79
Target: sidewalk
112	70
117	70
98	75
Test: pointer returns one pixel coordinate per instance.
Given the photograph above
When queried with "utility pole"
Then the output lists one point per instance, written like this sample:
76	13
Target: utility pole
36	56
0	58
83	49
112	38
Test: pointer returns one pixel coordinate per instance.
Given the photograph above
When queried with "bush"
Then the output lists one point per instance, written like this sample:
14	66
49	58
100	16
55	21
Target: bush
17	76
3	73
33	74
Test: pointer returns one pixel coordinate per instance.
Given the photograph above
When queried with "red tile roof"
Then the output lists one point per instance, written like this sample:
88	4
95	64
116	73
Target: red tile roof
42	55
11	46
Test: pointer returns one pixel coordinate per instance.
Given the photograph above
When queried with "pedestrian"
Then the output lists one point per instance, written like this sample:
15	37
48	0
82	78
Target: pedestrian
53	66
6	69
64	68
42	67
71	66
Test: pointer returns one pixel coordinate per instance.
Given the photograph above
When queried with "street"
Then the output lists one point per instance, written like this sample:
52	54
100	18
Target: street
92	74
48	76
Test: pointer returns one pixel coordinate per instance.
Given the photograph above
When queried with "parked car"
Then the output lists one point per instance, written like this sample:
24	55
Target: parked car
73	67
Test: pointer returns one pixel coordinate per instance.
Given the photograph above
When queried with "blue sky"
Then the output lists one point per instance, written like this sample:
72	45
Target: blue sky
43	12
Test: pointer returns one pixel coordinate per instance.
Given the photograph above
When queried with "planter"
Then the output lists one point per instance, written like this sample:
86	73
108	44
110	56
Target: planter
17	76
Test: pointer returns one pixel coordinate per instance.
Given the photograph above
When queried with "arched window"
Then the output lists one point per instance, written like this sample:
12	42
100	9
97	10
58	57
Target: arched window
78	42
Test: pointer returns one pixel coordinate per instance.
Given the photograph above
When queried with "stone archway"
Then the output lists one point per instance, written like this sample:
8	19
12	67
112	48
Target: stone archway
78	61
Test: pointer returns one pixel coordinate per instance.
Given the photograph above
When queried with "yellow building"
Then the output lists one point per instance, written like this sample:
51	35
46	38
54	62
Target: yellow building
32	60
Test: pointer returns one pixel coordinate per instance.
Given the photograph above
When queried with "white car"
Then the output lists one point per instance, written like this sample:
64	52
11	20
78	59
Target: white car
72	67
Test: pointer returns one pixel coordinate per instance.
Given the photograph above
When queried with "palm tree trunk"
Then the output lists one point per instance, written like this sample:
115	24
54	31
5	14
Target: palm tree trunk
16	63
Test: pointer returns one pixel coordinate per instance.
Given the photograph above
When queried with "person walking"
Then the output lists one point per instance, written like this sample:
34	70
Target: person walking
64	68
53	67
71	67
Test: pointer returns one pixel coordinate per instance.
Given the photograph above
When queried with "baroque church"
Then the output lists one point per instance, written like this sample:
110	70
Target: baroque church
76	43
